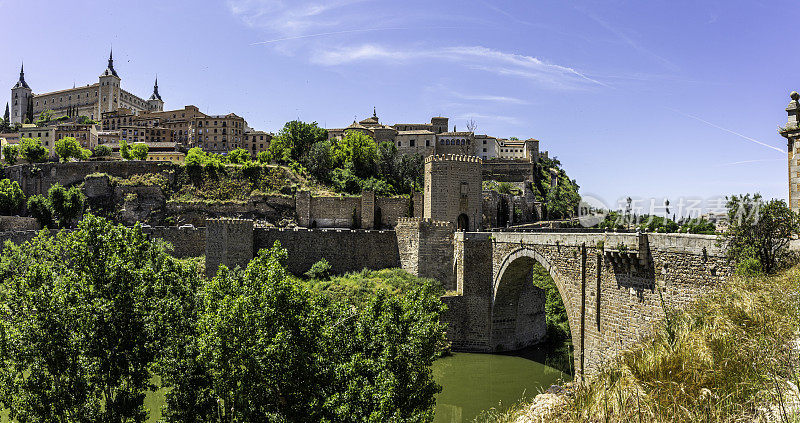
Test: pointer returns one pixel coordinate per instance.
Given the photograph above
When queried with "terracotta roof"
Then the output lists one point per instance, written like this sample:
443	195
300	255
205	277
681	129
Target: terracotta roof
96	84
416	132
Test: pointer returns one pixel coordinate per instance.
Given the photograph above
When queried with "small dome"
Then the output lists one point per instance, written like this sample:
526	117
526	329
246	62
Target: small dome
794	95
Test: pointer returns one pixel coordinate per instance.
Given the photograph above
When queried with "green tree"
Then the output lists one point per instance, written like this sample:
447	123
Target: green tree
294	141
139	151
359	151
238	156
32	150
10	153
44	118
67	148
67	204
760	231
264	157
86	316
11	197
268	349
124	150
319	160
41	209
102	150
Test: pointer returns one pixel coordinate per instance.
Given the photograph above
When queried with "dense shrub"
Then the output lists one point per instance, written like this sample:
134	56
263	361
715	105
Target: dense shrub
11	197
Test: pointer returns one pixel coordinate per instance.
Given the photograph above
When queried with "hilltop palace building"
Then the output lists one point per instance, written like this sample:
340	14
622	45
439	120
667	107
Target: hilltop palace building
91	100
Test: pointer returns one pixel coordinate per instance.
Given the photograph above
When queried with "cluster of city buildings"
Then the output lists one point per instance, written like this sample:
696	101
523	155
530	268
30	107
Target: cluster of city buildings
115	114
105	113
436	138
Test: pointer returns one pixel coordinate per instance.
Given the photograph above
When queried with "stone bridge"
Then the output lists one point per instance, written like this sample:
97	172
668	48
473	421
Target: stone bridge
612	285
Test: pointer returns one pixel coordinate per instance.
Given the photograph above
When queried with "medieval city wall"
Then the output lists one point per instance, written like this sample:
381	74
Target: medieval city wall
38	178
507	170
346	250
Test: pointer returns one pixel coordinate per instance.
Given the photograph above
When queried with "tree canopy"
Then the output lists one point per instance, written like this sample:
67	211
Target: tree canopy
11	197
32	150
139	151
68	147
85	317
759	232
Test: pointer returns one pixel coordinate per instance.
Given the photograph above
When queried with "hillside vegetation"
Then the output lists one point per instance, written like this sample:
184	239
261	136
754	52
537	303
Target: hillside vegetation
732	356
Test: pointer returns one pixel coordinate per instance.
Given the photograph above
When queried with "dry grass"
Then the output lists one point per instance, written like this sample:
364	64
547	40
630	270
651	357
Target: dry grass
728	358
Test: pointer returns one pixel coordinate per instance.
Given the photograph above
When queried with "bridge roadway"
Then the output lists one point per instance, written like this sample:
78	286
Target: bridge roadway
611	284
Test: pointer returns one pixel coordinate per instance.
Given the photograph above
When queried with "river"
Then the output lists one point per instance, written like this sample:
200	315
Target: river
472	383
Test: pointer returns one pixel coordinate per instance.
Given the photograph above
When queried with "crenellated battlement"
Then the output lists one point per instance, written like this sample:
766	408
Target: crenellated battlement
453	158
422	221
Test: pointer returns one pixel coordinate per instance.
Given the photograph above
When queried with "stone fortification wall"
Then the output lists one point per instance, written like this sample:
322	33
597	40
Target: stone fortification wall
186	241
228	242
507	170
453	190
335	212
346	250
38	178
17	223
426	249
340	211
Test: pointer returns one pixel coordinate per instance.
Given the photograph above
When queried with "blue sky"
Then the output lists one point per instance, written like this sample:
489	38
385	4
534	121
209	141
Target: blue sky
641	98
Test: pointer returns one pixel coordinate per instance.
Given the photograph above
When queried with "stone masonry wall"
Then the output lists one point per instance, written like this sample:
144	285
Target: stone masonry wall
229	242
453	187
426	249
346	250
186	241
17	223
615	303
37	178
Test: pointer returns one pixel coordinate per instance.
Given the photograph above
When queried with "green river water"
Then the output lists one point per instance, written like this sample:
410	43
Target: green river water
470	383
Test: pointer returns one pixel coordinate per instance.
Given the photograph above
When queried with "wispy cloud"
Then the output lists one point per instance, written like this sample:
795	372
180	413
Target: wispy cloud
748	162
292	18
487	118
491	98
622	36
474	57
350	31
505	13
729	131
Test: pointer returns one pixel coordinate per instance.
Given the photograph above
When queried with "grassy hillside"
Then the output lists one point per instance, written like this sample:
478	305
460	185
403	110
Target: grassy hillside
733	356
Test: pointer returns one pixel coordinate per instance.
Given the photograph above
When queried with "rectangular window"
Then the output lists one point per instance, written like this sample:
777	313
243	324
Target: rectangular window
411	143
427	143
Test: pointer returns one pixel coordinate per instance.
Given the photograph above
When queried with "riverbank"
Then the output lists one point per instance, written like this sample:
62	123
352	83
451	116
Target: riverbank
732	356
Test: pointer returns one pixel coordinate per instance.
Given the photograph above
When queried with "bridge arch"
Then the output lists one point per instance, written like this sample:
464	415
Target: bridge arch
517	306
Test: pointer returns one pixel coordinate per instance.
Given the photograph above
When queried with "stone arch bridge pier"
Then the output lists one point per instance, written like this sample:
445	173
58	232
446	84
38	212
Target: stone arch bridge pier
615	286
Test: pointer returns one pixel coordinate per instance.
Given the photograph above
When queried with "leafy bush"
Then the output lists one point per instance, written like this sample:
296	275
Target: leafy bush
251	171
10	153
102	305
102	150
124	150
760	230
67	203
31	150
67	148
238	156
41	209
320	270
139	151
11	197
268	349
